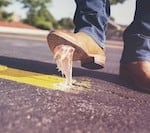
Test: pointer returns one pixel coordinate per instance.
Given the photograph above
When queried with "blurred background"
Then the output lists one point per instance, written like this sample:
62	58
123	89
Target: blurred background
56	14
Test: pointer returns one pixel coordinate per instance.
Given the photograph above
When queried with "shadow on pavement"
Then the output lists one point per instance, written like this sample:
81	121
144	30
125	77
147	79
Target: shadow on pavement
48	68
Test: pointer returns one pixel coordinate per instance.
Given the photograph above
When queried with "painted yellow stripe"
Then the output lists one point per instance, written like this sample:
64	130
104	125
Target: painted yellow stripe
32	78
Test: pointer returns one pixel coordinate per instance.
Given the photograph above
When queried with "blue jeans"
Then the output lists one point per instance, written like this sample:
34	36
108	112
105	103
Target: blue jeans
92	17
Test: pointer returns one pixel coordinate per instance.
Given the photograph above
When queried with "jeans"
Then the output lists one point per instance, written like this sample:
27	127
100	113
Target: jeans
91	17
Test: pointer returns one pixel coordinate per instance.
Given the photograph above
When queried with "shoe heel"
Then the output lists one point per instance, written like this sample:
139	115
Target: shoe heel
93	62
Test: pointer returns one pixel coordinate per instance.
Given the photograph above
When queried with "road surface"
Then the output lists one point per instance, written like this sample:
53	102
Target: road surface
104	104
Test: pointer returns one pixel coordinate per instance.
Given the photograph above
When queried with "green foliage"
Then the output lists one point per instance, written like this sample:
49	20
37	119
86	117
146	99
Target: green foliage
4	3
3	14
66	23
38	14
45	14
43	25
41	19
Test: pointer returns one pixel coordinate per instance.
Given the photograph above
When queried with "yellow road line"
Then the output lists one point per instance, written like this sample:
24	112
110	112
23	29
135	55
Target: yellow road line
32	78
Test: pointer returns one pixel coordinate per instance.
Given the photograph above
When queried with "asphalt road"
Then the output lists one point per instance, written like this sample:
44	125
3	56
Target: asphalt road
109	105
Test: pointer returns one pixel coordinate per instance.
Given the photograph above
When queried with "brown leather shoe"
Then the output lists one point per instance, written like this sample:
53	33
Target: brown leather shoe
137	73
86	49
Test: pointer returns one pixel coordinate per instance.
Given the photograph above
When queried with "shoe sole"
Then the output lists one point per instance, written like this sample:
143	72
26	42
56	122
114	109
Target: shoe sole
88	61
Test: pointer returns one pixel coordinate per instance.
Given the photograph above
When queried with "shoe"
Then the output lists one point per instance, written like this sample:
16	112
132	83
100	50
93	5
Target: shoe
137	73
91	55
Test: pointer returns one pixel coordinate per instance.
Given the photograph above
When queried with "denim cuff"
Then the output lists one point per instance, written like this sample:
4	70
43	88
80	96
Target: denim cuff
136	48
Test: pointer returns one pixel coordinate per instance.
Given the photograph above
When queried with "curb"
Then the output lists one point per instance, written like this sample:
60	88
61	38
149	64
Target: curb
23	31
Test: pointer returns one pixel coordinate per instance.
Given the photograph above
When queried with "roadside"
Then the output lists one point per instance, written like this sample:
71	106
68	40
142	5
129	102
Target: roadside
24	31
20	28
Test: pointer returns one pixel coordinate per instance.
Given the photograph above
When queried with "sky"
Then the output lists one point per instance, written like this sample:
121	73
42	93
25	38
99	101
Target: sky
122	13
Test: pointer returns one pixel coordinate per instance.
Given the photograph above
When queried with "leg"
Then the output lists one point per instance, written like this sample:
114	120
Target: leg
135	61
91	17
90	21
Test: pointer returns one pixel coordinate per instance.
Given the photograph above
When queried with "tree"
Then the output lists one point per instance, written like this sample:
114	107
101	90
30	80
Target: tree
66	23
4	3
3	14
44	19
38	14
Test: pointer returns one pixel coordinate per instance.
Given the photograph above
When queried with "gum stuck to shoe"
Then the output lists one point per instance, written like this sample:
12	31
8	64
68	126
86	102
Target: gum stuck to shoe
63	55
